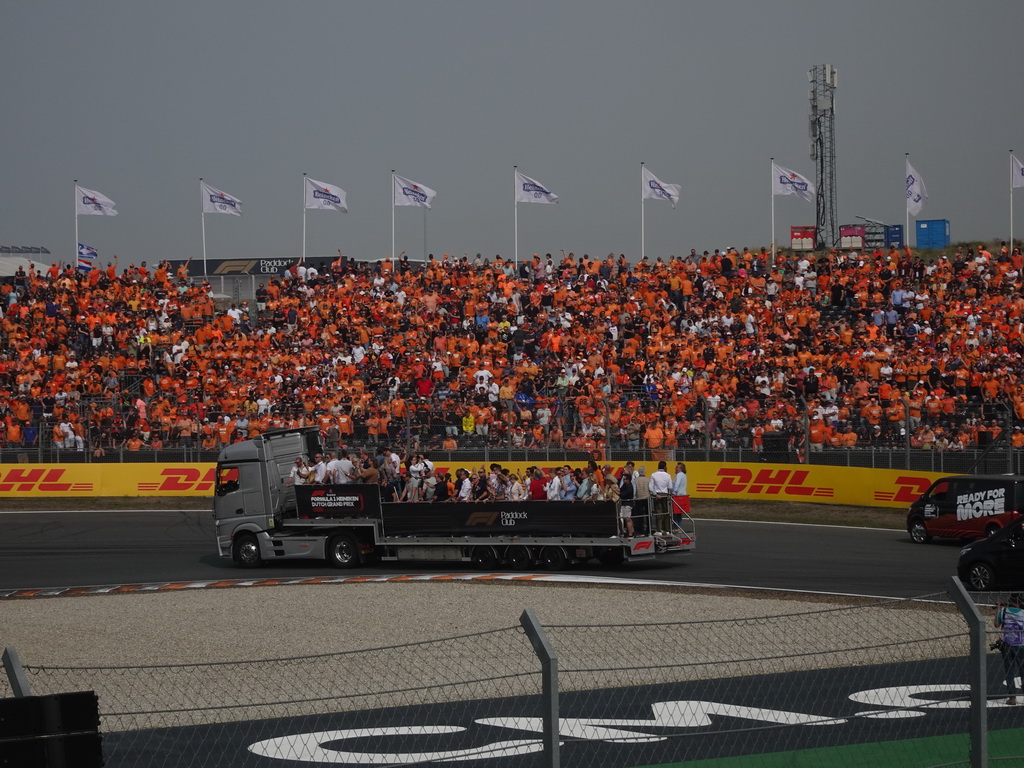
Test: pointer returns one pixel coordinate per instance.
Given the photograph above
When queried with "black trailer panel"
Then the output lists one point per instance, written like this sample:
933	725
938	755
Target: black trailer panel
527	518
337	502
506	518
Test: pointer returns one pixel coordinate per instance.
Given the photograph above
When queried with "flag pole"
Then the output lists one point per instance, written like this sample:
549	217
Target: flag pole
392	214
202	215
303	218
1011	203
75	257
424	237
643	231
906	232
772	188
515	206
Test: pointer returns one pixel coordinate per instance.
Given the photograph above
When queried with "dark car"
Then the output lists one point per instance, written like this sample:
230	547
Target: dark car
996	560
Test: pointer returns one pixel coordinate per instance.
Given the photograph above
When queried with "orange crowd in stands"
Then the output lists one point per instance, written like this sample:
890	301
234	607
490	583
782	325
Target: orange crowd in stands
726	349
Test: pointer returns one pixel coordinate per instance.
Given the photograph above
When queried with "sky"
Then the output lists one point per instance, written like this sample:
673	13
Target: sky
140	100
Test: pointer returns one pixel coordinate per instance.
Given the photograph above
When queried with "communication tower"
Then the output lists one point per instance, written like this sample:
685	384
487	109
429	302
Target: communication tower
823	79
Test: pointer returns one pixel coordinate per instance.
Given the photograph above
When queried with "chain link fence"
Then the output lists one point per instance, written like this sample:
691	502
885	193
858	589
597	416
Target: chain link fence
861	682
277	711
697	690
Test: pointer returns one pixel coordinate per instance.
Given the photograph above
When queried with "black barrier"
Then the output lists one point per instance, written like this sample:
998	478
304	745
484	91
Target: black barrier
60	731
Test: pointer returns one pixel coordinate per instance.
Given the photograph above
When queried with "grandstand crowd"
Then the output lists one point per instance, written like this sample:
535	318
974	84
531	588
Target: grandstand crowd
727	348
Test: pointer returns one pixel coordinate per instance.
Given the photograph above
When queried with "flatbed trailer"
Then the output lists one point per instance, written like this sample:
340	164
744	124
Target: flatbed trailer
260	518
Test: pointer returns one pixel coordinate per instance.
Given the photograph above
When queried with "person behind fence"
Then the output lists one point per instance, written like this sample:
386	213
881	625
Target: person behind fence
537	487
369	475
661	491
319	471
641	497
1010	618
553	491
414	484
428	486
626	494
344	470
300	473
680	495
480	490
516	491
569	484
463	486
586	486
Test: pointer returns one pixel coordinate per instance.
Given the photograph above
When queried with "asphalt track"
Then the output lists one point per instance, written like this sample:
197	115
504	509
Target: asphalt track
722	721
73	549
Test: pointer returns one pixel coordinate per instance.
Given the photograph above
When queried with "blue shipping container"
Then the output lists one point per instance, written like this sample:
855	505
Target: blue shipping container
933	233
894	236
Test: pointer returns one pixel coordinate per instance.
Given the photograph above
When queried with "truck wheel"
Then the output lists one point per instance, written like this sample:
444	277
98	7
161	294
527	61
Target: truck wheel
553	558
611	556
918	533
484	558
519	558
246	551
980	577
343	552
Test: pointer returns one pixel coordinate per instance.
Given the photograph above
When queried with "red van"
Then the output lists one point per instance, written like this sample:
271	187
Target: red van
966	507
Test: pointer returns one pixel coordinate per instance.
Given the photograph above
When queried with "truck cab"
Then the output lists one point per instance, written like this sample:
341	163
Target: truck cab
252	492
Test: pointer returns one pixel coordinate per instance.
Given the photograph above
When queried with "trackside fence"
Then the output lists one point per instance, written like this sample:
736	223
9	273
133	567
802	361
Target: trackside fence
858	682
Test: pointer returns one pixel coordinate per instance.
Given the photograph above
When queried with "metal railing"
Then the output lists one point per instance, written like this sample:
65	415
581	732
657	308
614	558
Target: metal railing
979	438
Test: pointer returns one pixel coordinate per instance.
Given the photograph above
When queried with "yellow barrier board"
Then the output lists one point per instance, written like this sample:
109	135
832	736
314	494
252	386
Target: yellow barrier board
854	486
718	480
87	480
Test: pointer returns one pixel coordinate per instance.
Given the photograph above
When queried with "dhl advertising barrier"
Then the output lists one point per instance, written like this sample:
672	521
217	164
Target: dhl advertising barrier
753	482
86	480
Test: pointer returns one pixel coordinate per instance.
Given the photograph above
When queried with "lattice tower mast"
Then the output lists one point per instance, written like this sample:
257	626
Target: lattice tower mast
823	79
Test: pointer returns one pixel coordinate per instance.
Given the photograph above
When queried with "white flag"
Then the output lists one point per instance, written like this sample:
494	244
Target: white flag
321	196
410	193
655	188
787	182
215	201
89	202
1017	178
532	191
917	193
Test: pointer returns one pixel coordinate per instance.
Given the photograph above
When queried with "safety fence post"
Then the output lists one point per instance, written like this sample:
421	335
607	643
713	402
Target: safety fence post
549	684
15	673
978	664
907	432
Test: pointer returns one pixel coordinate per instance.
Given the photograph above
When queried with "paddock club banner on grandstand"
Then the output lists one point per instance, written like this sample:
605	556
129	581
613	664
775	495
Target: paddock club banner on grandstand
255	267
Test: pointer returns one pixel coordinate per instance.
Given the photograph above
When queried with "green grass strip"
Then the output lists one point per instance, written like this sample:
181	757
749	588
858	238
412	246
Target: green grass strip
909	753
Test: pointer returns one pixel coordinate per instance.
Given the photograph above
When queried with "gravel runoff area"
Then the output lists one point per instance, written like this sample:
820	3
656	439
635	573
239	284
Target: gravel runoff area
323	632
266	622
237	626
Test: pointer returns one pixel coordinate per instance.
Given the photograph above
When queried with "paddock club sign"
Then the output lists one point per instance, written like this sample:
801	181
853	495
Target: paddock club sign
427	519
256	267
